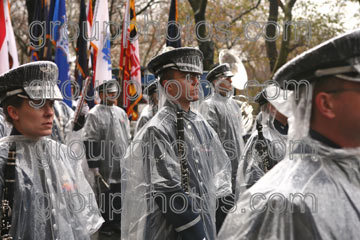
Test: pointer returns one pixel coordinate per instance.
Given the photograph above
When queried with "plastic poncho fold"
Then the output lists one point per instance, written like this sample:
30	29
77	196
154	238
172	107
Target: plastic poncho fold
251	169
151	167
311	194
5	126
146	114
109	126
52	199
224	115
62	126
305	196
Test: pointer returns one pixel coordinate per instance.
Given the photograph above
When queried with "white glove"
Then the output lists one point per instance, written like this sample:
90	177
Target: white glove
85	109
95	171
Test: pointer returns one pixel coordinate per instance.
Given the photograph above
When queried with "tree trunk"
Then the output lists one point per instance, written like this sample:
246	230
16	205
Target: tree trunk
284	49
270	41
206	45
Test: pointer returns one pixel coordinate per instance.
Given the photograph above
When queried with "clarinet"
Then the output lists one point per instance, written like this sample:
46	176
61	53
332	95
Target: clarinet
185	173
8	194
263	150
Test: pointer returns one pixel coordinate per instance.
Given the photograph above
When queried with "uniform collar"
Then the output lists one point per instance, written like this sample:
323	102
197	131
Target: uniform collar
281	128
174	107
14	131
321	138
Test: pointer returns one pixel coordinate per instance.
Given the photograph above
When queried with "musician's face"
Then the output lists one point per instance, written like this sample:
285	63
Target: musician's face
184	87
346	114
223	85
108	98
31	121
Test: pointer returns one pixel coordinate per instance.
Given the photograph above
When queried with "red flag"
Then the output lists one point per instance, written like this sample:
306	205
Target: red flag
4	66
8	52
130	62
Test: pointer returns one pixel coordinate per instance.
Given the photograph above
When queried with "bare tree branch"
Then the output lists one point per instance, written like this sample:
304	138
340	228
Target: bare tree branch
147	53
281	5
295	46
160	47
285	43
245	12
149	4
203	5
111	10
291	4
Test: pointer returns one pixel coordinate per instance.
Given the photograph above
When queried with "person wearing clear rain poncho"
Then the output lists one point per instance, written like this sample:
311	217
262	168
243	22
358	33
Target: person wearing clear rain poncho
62	116
175	167
106	135
267	143
313	193
150	109
5	127
44	192
224	115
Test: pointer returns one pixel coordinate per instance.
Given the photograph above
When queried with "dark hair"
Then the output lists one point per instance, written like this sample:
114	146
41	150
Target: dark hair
14	101
324	84
167	74
327	83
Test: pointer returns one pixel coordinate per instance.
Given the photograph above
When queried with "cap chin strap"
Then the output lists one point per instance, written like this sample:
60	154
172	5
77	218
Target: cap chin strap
23	96
334	71
348	78
14	92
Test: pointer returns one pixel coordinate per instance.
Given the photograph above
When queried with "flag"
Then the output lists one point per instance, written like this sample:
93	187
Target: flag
4	52
173	36
62	50
8	52
81	48
89	19
82	52
50	44
101	45
89	15
130	62
38	13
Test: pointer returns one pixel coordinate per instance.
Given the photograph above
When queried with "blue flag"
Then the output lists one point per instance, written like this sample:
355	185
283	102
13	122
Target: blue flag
62	50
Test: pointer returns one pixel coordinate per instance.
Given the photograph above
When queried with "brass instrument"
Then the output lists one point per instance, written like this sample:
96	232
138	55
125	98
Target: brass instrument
240	77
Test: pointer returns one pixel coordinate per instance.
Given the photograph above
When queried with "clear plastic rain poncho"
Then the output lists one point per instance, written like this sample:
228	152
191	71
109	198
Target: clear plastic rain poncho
52	198
251	168
314	192
146	114
224	115
151	173
62	117
109	127
151	108
5	126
